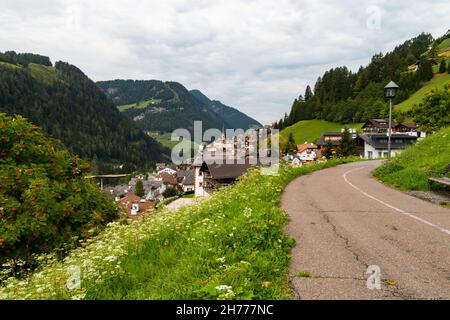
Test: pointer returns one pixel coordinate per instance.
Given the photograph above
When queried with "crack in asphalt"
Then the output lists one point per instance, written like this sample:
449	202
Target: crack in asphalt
296	291
346	240
392	290
339	235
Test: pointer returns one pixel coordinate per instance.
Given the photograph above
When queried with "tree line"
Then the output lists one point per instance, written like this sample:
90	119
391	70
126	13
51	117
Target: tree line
24	59
343	96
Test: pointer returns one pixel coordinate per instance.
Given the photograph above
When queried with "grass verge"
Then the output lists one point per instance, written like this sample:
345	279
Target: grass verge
230	246
410	170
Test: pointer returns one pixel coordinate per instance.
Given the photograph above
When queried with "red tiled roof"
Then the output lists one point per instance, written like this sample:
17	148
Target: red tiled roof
131	198
303	147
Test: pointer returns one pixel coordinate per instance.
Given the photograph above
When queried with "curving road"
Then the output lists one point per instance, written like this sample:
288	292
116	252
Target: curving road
344	221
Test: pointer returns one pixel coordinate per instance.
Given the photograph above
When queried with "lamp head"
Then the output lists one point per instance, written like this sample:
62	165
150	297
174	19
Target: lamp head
390	90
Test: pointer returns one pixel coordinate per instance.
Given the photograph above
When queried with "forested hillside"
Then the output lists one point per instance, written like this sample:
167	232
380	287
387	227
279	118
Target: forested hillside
166	106
343	96
70	107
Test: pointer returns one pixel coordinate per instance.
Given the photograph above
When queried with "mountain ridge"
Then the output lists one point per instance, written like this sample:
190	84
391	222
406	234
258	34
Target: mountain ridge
70	107
230	114
165	106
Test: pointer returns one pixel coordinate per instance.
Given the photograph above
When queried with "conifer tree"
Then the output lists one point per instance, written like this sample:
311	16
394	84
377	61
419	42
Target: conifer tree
139	191
347	147
442	66
328	150
308	94
425	70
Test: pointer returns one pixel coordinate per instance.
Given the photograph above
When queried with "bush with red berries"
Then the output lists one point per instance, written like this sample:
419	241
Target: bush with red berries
45	200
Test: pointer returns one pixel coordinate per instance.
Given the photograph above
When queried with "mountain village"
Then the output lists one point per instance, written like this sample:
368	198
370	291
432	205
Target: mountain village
201	177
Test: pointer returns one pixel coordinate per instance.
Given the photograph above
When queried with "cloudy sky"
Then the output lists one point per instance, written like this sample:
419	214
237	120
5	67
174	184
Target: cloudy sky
256	55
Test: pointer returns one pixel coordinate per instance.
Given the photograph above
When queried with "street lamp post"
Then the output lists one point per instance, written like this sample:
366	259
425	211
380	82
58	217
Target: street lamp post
390	91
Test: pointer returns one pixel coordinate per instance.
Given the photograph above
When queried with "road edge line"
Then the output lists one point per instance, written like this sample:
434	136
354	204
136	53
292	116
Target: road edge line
391	206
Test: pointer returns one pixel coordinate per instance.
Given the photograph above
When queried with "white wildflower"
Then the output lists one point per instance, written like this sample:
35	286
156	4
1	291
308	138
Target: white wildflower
224	288
79	296
247	212
221	260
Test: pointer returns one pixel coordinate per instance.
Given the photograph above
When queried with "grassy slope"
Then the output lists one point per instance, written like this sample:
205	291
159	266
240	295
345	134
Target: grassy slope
234	238
411	169
139	105
312	130
9	65
165	139
43	73
438	81
444	44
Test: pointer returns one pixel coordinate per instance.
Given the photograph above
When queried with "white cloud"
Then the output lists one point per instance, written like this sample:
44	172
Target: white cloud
255	55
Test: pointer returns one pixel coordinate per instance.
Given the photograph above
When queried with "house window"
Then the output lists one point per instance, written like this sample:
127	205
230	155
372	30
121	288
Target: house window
200	184
385	155
370	154
200	173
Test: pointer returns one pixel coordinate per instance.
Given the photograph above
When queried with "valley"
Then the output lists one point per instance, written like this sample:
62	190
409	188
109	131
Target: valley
166	106
87	183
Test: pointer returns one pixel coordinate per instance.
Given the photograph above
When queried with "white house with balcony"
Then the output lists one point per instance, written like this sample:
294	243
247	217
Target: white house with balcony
307	152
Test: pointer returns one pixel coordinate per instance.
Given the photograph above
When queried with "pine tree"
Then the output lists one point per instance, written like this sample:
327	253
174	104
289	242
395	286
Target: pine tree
328	150
139	190
410	59
308	93
286	120
442	66
290	147
347	147
425	70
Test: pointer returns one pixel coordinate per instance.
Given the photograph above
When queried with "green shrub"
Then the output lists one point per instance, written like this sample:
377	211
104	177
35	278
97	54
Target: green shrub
170	192
409	179
388	168
433	113
45	201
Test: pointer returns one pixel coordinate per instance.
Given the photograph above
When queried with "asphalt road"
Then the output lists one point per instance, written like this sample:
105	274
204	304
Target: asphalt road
344	221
